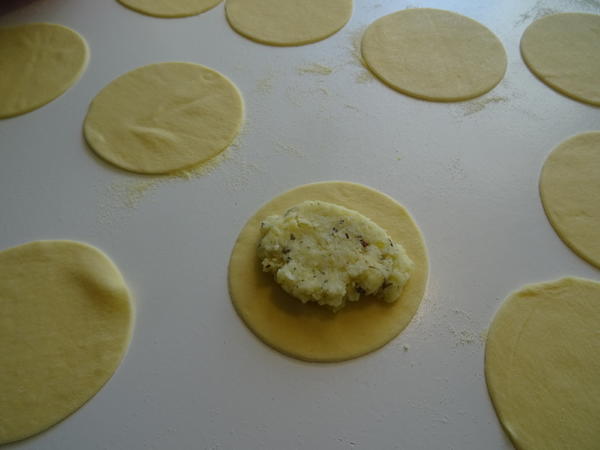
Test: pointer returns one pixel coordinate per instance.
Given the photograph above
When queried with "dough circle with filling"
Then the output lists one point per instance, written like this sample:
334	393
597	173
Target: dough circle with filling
434	54
170	8
287	22
570	192
542	365
38	63
65	323
563	50
164	117
312	332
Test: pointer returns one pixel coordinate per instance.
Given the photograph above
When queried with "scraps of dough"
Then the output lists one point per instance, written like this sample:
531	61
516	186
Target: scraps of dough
570	192
288	22
563	50
170	8
38	62
164	117
433	54
65	323
542	365
312	332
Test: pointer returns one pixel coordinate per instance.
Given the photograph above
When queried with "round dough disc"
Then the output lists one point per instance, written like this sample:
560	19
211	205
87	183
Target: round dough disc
570	192
40	61
434	55
542	365
287	22
164	117
170	8
65	324
311	332
563	50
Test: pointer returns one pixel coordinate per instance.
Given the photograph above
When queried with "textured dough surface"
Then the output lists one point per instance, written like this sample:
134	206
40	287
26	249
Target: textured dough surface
325	253
170	8
38	62
287	22
433	54
570	192
563	50
311	332
542	365
164	117
65	324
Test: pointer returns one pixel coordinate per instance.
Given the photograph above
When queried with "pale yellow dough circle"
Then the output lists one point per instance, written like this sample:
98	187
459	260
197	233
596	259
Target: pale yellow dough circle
170	8
570	192
164	117
38	62
563	50
311	332
287	22
542	365
65	324
433	54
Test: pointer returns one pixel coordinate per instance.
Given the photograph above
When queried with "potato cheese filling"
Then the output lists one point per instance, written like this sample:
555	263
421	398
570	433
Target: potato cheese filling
325	253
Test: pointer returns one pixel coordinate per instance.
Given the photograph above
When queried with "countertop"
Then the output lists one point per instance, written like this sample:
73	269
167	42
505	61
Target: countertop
195	376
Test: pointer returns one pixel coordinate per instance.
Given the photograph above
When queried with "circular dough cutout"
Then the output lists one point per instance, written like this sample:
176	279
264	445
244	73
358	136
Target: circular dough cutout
40	61
433	54
311	332
563	50
65	326
170	8
164	117
570	192
287	22
542	365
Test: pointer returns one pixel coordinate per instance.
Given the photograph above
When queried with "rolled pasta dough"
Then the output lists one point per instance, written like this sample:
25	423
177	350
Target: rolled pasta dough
312	332
38	62
542	365
65	322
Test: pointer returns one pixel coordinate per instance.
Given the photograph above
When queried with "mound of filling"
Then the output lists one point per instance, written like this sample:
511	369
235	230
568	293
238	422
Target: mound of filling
325	253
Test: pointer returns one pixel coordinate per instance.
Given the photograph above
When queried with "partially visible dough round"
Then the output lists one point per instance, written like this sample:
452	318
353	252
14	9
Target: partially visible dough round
164	117
311	332
65	323
542	365
170	8
434	55
38	62
570	192
563	50
287	22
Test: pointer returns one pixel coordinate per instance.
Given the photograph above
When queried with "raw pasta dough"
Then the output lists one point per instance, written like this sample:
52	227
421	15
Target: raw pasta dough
65	324
563	50
434	55
312	332
164	117
288	22
542	365
170	8
570	192
38	62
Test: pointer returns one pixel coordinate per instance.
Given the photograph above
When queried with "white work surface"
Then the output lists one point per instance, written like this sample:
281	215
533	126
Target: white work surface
195	377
